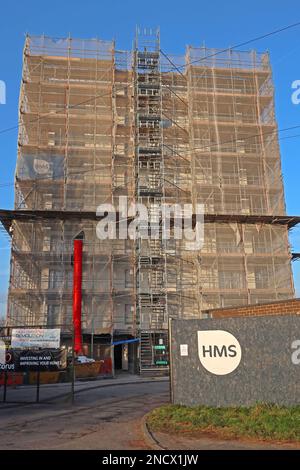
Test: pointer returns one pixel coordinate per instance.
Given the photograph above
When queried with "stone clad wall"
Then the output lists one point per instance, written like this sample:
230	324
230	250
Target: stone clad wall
266	372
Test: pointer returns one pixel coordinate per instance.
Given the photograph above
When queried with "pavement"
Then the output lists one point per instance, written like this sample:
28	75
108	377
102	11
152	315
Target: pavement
165	441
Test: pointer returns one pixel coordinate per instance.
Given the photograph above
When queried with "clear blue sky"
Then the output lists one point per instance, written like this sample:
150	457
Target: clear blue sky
219	23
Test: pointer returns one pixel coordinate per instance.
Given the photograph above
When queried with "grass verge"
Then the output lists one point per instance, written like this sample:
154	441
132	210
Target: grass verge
266	422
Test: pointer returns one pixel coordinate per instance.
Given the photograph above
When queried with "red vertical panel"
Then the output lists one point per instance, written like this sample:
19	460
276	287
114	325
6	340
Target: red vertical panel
77	295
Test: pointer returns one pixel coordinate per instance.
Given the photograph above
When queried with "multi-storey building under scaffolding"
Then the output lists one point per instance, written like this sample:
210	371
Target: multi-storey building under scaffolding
97	123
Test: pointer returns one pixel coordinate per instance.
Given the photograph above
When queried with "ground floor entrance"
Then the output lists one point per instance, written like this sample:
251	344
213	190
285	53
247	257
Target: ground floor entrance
147	353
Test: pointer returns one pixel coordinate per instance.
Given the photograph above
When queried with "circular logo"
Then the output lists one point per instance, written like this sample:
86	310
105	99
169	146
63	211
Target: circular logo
219	351
9	357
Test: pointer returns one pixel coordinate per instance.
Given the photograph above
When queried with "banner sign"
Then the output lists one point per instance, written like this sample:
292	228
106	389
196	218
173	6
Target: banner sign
31	360
22	338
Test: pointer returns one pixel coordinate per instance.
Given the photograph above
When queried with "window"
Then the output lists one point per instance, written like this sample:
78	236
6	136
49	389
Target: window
53	317
129	309
262	277
55	279
230	280
128	278
46	243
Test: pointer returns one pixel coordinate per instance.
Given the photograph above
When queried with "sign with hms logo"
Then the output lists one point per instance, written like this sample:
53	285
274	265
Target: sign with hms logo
219	351
237	361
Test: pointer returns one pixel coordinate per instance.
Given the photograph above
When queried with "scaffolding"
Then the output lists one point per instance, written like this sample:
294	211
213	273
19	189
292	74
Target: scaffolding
97	123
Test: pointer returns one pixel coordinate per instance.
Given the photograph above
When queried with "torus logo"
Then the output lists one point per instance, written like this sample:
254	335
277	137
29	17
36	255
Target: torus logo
2	92
219	351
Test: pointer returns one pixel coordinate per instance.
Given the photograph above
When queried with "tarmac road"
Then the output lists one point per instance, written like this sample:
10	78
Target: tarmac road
102	418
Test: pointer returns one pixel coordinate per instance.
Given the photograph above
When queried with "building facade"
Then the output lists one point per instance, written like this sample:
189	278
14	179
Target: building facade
97	123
